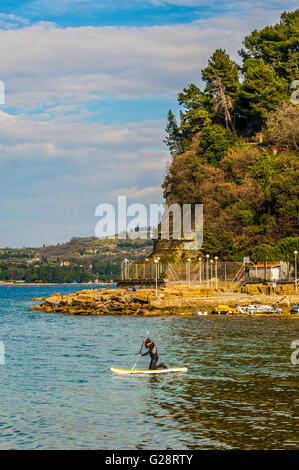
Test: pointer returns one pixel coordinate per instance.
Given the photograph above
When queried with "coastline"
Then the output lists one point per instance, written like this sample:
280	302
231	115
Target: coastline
41	284
170	301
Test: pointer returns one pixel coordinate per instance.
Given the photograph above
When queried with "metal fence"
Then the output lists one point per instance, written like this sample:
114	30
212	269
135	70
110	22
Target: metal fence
190	272
207	271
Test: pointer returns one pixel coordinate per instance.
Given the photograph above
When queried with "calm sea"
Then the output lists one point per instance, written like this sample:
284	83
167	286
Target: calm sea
57	391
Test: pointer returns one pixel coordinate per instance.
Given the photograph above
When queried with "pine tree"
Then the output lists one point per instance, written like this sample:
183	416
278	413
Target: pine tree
226	70
173	136
196	114
261	92
277	45
223	105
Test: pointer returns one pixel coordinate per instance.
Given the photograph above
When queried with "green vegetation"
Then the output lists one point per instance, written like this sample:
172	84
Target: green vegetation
79	260
235	149
277	46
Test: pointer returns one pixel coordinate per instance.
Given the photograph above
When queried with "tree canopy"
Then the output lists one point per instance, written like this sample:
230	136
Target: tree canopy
235	147
277	46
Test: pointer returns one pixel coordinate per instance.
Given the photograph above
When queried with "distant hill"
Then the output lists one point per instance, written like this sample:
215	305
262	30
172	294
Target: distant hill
91	247
80	259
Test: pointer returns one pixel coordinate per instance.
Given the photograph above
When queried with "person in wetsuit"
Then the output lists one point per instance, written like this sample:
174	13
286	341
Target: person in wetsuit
152	350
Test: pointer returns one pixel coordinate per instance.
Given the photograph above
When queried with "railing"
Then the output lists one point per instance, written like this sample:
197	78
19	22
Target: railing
190	272
208	271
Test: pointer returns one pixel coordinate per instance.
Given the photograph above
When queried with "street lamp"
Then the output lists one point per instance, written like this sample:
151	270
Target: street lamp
199	274
295	253
211	262
208	284
156	261
216	271
126	268
188	271
144	268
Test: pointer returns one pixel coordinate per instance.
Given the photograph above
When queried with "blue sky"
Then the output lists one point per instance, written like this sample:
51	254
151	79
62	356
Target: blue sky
88	87
128	12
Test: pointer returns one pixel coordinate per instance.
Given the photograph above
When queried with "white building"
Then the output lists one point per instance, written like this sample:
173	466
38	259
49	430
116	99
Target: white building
269	271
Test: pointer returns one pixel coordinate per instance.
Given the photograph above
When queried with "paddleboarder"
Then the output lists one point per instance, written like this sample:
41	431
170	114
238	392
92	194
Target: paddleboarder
152	350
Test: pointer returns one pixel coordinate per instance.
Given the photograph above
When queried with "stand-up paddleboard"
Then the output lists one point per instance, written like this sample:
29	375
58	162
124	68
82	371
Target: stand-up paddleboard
148	371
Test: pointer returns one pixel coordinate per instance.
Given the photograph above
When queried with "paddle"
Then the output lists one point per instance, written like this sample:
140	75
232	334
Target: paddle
139	351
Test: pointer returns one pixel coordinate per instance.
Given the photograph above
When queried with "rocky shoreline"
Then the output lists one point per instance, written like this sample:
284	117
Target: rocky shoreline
95	302
176	301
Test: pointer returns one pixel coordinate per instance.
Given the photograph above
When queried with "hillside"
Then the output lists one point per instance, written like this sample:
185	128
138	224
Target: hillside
235	149
80	259
104	248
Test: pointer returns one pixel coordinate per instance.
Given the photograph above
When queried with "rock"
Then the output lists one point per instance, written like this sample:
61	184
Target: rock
85	298
54	299
36	307
144	302
141	297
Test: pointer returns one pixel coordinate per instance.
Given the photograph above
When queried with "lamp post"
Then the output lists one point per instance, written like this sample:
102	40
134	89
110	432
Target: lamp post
158	258
188	271
126	268
208	284
295	253
156	262
211	262
216	271
199	274
144	268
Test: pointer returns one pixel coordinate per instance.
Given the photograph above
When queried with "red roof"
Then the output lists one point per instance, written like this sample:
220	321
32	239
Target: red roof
268	265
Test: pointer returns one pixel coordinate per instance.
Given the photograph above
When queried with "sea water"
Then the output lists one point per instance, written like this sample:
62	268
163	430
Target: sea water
57	391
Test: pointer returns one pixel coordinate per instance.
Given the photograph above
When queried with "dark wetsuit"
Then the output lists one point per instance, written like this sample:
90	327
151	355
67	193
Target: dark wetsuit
152	350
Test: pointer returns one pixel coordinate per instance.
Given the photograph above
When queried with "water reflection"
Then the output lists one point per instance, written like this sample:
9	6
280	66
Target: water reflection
240	392
57	390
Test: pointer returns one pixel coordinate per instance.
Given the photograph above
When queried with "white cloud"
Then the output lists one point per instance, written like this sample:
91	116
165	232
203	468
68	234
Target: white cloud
58	166
25	137
57	172
11	21
46	64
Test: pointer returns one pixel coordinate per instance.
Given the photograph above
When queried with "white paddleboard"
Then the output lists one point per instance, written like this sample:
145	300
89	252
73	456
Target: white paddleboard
148	371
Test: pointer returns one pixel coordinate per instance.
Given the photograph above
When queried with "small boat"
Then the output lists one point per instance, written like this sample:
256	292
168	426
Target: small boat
224	310
148	371
257	308
294	309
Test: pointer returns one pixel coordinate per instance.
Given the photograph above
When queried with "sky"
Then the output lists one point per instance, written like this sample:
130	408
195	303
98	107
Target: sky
88	85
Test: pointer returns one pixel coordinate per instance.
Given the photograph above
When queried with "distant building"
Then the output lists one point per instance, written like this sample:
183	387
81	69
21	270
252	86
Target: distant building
279	148
268	271
65	263
90	252
34	260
